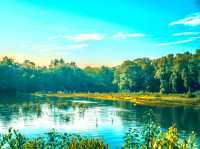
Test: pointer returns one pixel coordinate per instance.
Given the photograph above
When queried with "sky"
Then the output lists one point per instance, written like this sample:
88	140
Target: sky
95	33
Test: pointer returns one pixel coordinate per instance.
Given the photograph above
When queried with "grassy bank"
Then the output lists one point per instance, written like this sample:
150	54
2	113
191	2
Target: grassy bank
171	100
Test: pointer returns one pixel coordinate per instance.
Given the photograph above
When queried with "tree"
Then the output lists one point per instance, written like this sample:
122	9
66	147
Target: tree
178	73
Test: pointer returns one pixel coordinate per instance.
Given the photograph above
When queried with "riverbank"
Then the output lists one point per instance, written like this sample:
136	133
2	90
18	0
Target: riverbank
155	99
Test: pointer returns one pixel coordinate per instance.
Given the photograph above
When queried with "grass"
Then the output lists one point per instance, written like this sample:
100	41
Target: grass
149	99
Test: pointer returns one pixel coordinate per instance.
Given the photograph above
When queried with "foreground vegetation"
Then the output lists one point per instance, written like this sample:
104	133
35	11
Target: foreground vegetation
53	140
151	99
151	137
178	73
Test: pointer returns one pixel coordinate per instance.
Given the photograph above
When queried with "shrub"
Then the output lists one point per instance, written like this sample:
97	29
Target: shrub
52	140
153	138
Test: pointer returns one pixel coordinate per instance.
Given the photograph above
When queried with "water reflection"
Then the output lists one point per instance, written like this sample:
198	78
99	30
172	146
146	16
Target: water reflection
91	117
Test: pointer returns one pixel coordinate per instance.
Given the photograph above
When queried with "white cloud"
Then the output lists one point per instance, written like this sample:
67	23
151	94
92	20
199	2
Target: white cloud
83	37
94	37
121	35
79	37
193	20
186	33
179	42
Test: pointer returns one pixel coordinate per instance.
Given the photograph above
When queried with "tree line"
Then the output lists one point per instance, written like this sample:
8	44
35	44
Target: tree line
178	73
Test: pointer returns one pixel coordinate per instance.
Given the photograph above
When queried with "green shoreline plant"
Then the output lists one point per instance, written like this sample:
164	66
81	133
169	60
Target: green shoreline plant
153	138
150	137
150	99
13	139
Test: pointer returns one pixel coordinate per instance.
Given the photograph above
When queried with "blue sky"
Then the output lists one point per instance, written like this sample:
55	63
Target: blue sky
92	32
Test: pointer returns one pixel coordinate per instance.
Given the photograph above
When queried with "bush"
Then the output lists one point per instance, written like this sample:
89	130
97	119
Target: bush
53	140
154	138
150	137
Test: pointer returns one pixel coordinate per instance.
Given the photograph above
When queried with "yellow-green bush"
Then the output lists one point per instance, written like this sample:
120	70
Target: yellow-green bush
150	137
154	138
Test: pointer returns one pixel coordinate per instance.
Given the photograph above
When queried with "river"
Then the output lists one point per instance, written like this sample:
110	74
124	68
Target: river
35	116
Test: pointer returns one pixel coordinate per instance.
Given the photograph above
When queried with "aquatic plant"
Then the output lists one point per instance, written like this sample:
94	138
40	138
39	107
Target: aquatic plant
65	105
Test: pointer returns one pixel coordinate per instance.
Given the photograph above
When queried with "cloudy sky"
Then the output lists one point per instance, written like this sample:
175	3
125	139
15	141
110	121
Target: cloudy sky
103	32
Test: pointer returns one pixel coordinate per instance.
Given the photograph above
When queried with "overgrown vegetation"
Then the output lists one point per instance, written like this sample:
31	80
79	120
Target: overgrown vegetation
149	99
150	137
53	140
178	73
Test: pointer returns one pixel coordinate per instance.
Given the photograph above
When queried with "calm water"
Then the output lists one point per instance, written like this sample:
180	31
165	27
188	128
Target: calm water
90	117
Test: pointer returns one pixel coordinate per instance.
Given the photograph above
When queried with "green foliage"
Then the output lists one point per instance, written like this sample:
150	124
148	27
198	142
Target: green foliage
149	137
53	140
137	75
12	139
59	76
168	74
152	137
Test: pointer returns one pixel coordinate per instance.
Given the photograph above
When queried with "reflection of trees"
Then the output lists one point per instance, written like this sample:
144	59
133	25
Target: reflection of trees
62	117
125	115
31	109
8	107
120	104
79	107
12	107
7	113
15	105
187	119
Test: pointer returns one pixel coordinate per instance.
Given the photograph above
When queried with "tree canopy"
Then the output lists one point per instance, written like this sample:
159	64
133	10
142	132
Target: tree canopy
178	73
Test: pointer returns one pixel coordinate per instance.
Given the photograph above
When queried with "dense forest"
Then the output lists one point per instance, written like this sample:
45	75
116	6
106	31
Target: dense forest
178	73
